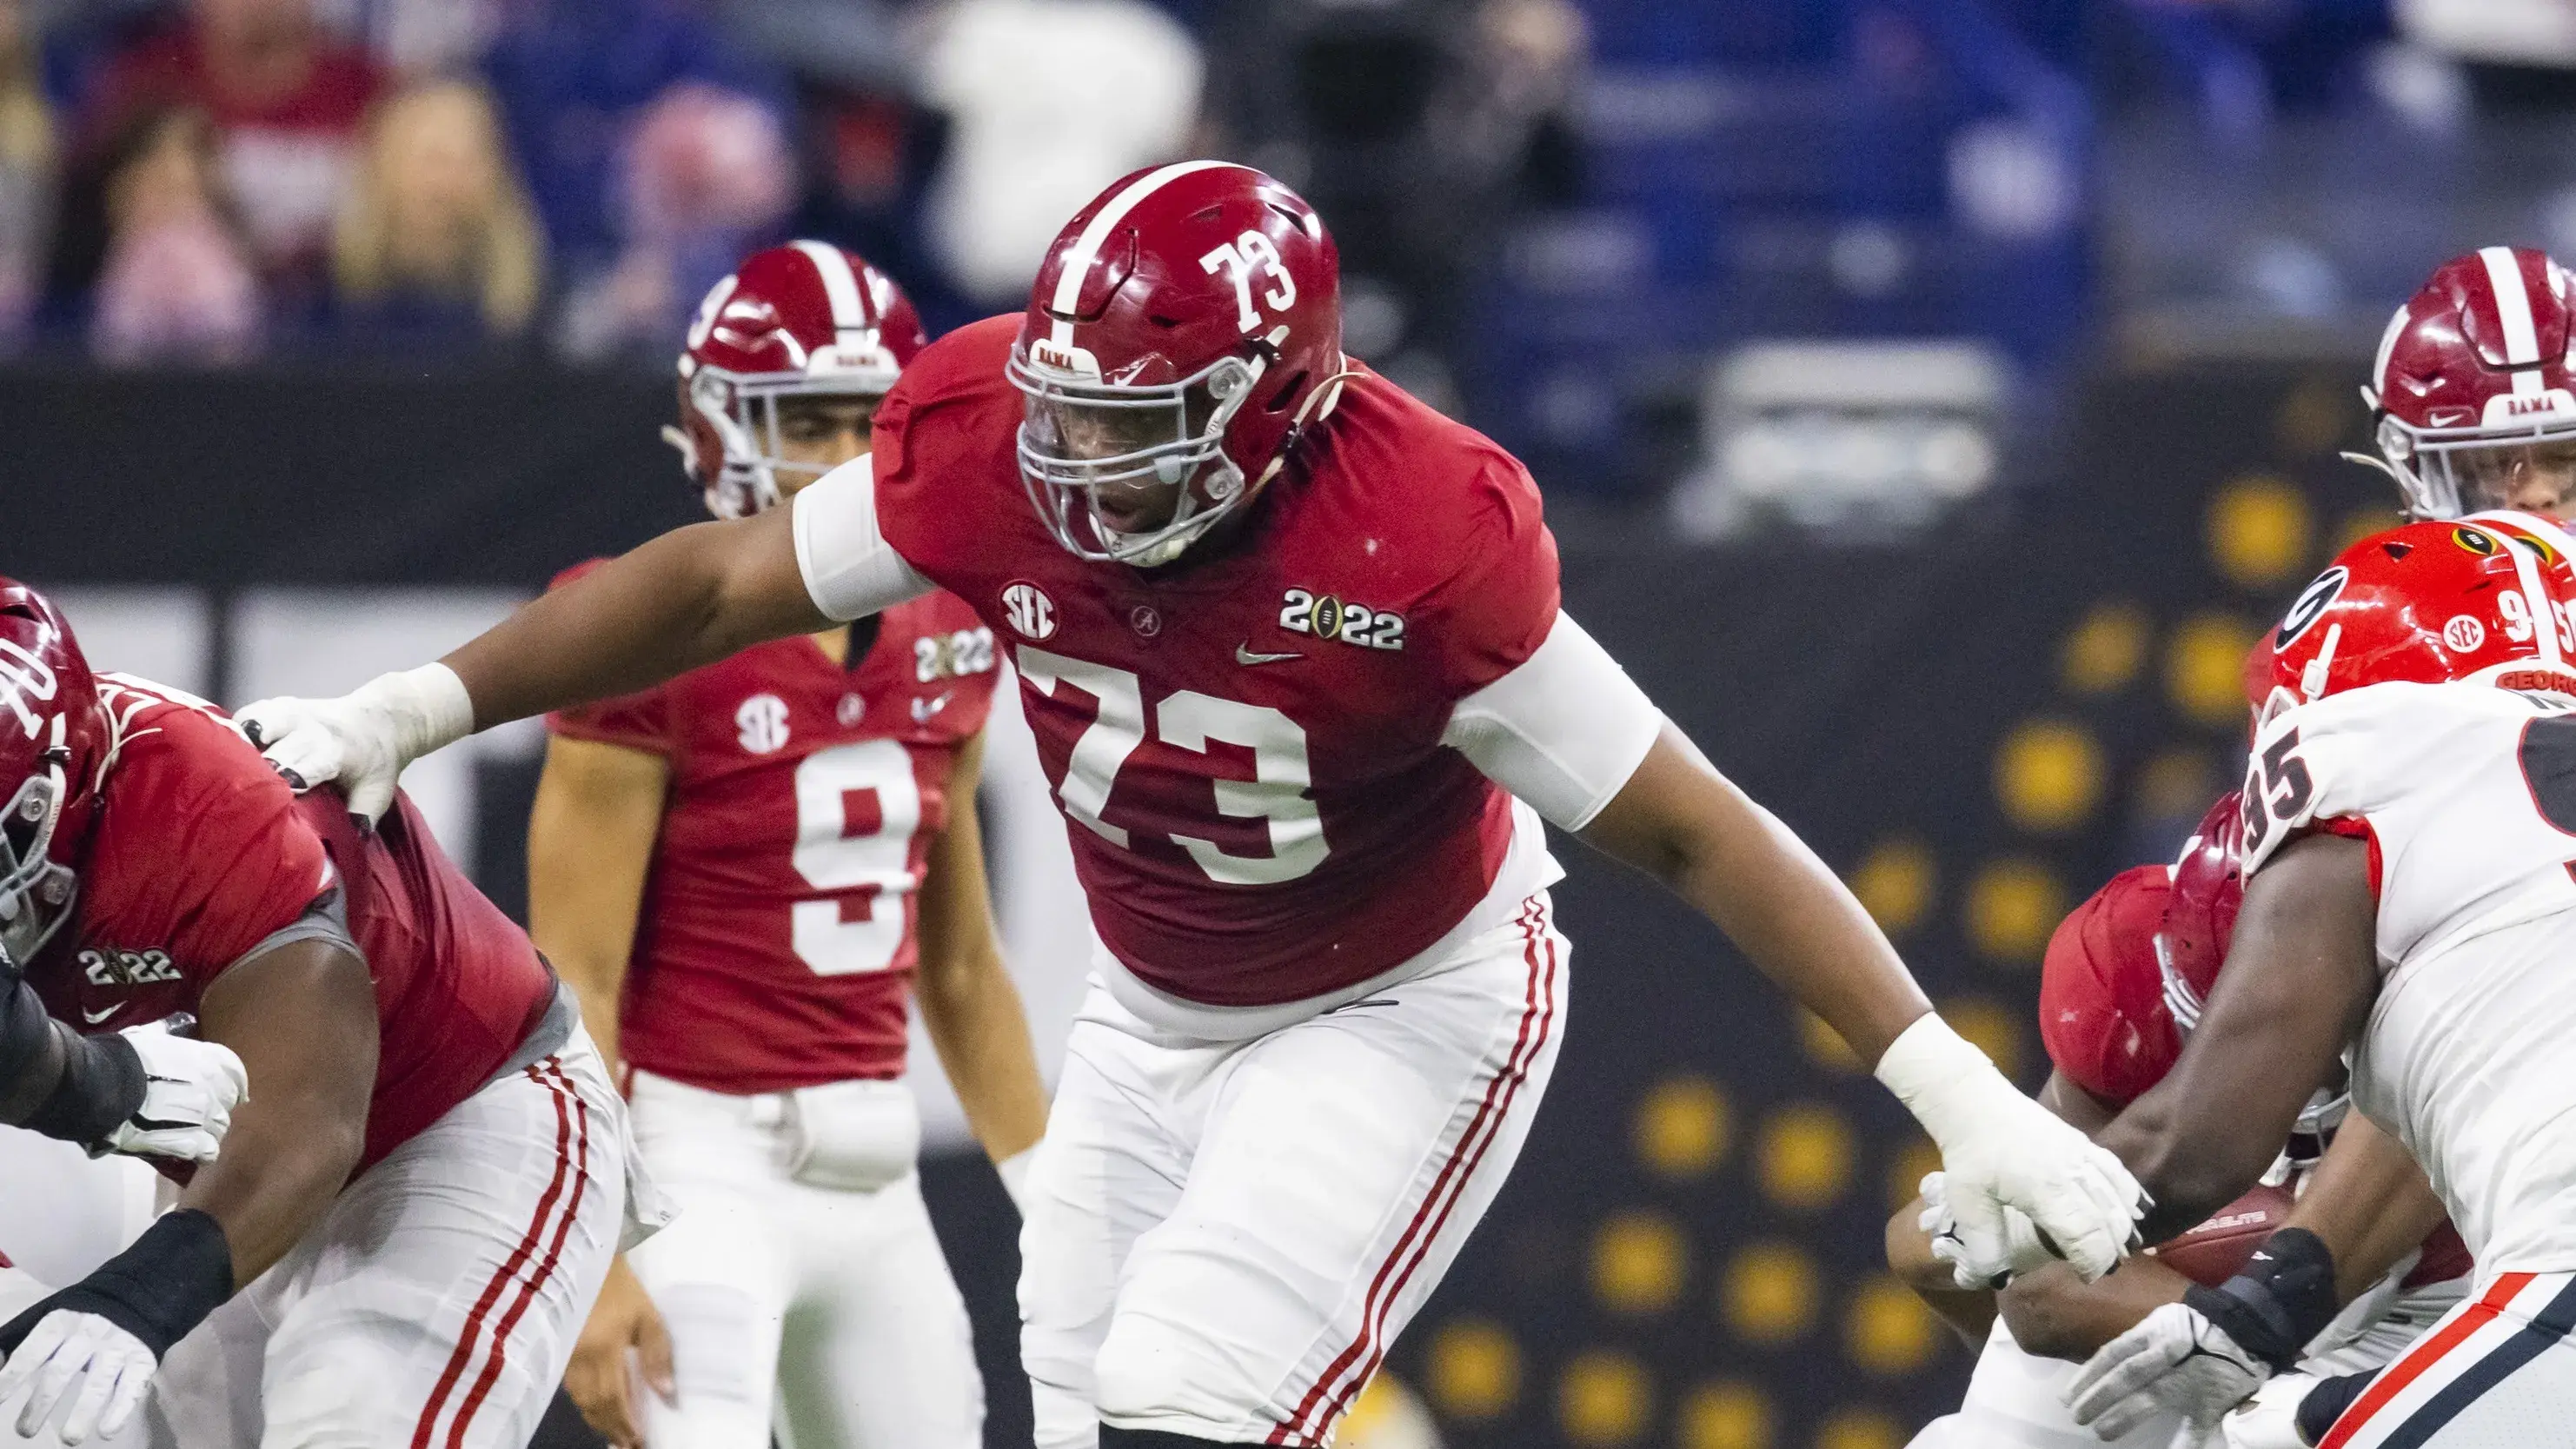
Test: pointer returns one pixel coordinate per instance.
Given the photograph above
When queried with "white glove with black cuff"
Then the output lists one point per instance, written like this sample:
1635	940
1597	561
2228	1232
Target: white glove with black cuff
2175	1359
190	1089
364	738
83	1359
2003	1154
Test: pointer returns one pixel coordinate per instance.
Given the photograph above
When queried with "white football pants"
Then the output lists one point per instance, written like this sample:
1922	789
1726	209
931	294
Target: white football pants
1224	1237
61	1215
435	1304
824	1313
2496	1373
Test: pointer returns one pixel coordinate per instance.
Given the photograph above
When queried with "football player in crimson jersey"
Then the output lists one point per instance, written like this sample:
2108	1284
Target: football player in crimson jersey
2473	393
2408	904
2124	979
782	845
415	1202
1290	645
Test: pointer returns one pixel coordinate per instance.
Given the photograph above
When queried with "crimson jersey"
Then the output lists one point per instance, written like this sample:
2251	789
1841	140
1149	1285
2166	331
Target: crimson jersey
775	946
200	854
1247	746
2108	1023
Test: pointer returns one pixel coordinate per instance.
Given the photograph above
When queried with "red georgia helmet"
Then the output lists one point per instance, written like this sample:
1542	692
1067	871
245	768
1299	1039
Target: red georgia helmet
53	746
798	319
2481	599
1184	328
2472	372
2208	884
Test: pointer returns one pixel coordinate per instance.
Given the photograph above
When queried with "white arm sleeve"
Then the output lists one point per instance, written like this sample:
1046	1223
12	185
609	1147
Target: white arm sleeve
849	568
1564	731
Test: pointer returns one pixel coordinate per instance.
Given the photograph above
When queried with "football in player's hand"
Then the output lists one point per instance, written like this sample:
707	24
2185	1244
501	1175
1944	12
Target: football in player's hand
2213	1252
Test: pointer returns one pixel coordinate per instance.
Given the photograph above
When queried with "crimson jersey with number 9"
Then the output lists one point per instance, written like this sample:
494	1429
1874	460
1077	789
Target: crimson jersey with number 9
775	947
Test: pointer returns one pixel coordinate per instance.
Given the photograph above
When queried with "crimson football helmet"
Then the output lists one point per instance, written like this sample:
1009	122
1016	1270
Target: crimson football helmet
2473	393
2207	885
2482	599
53	745
1183	330
796	320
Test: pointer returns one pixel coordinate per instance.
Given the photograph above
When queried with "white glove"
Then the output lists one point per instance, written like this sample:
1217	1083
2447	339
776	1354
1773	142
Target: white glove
2176	1360
2270	1419
190	1090
365	737
110	1367
2001	1152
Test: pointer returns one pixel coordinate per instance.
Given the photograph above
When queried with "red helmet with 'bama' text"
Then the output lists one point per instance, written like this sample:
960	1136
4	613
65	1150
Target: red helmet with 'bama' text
53	746
2483	599
2473	393
1183	329
799	320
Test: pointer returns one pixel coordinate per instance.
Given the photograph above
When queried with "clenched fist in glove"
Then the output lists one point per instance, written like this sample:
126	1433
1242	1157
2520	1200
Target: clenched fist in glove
190	1089
363	739
2018	1187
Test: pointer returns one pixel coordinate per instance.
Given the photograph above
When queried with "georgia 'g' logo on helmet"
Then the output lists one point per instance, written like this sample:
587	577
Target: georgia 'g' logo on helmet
1184	327
802	319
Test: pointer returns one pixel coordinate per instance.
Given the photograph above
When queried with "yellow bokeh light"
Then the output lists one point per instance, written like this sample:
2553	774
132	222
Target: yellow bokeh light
1726	1415
1604	1398
1990	1028
2177	783
2014	904
1682	1127
1919	1159
2205	668
1639	1262
1770	1293
2258	530
2106	650
1859	1429
2048	775
1825	1046
1888	1332
1895	884
1805	1156
1475	1371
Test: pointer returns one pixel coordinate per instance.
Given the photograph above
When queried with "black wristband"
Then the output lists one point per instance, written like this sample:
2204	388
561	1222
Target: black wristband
2284	1297
179	1271
102	1086
2326	1402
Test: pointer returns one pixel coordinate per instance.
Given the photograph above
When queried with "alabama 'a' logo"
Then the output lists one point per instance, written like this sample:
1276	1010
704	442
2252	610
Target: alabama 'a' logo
1028	610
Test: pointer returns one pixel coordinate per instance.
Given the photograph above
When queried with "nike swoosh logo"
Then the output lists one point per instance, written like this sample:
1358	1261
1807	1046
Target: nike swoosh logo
1243	655
923	709
95	1017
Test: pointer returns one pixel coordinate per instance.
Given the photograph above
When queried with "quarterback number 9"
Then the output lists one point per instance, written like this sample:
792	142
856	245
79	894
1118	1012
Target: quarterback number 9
1237	259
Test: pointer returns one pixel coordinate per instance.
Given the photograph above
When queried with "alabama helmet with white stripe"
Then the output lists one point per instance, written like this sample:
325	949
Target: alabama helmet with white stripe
2473	394
796	320
2482	599
54	750
1184	329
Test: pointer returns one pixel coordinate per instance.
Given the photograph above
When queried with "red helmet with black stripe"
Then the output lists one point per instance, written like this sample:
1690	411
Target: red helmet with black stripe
1184	328
53	749
2482	599
798	320
2473	392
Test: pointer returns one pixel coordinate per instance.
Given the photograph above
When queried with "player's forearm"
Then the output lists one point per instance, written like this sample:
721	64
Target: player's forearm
1969	1312
2369	1203
975	1019
303	1019
2054	1313
687	598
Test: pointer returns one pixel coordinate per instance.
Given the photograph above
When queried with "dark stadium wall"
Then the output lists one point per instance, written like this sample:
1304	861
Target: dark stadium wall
1976	730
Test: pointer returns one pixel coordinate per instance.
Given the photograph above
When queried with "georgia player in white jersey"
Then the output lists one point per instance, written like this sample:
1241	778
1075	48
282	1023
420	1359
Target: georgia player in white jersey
1290	645
705	831
2410	820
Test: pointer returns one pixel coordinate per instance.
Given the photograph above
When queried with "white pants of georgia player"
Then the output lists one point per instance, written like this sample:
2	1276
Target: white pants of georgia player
2497	1372
1223	1238
2017	1400
824	1313
61	1215
435	1304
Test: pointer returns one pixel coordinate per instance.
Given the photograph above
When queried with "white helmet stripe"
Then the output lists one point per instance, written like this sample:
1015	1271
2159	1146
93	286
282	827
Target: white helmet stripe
2544	619
2513	306
2387	345
1086	247
840	284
